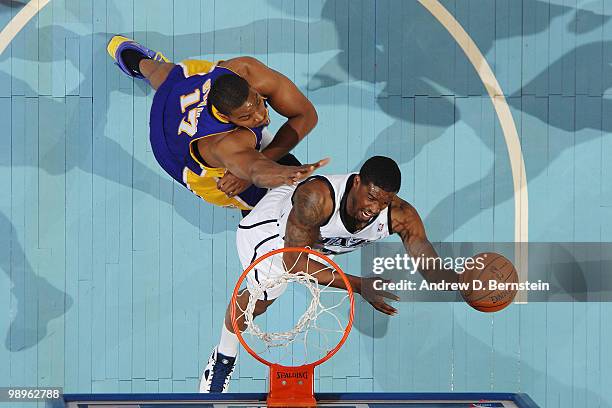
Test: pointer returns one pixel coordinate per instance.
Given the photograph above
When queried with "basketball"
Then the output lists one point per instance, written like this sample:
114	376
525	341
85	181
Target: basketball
487	289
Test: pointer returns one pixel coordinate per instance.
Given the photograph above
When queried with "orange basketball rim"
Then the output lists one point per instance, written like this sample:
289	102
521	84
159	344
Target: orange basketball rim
292	386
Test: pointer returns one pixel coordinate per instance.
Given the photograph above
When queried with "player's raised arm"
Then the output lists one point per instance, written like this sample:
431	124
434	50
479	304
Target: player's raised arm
406	222
239	156
286	99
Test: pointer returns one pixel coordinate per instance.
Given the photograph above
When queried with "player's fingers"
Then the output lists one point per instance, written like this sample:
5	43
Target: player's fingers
385	308
304	171
321	163
233	185
309	168
230	190
299	175
223	185
226	182
226	188
389	309
387	295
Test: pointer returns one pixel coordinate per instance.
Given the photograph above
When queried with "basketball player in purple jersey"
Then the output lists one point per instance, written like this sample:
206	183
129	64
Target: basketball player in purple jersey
208	119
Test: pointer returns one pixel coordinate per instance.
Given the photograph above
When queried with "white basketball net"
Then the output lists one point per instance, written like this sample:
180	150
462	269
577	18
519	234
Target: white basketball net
325	301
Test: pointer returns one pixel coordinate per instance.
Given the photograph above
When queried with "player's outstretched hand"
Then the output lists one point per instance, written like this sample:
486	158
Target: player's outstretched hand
377	298
295	174
231	185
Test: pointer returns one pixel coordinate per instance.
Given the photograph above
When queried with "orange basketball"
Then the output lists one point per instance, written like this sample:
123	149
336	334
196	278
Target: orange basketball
488	288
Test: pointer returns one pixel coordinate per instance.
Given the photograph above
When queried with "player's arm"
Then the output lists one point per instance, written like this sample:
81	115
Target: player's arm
312	206
406	222
286	99
238	154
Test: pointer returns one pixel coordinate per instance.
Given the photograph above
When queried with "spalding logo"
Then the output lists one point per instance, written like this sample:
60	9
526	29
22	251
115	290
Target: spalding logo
281	375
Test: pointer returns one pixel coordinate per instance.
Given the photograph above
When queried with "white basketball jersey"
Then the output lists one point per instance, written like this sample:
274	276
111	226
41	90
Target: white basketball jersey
263	230
335	238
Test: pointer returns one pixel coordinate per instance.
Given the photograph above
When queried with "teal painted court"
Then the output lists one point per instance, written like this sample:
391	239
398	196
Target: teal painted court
115	278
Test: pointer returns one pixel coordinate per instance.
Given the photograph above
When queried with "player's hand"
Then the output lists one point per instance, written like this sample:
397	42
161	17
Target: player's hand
377	298
295	174
231	185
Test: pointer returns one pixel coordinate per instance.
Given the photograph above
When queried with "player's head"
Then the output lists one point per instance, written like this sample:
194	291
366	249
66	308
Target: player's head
374	188
238	103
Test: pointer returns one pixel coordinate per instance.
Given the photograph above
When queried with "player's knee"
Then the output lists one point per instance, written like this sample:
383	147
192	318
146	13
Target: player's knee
261	306
148	66
156	72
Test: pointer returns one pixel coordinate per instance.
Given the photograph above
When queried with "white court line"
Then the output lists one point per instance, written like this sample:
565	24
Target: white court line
517	163
19	21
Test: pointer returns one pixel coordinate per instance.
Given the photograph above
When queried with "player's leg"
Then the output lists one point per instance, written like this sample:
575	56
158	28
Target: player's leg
222	360
138	61
229	343
253	239
243	299
155	72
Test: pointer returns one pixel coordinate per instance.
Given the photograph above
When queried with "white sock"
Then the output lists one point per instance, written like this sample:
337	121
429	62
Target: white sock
229	343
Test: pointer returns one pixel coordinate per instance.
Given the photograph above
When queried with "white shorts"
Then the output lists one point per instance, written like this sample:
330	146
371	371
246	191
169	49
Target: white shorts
253	240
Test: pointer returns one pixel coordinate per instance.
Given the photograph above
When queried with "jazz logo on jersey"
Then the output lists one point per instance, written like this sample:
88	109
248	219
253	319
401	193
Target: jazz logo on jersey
344	242
189	124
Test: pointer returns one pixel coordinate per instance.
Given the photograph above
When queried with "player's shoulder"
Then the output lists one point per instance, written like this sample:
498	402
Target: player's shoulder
245	66
314	196
317	187
402	207
404	216
255	72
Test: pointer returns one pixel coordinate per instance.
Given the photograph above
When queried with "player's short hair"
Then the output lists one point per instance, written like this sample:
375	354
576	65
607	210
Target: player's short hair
228	92
383	172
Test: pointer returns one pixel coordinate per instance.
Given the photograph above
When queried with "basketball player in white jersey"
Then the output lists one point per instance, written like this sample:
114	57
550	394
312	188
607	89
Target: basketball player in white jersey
335	215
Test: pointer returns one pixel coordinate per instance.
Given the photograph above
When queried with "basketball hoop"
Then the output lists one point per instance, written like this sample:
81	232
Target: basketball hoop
290	384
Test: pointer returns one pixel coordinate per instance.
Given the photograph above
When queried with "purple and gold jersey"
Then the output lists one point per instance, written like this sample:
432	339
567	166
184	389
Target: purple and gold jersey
181	115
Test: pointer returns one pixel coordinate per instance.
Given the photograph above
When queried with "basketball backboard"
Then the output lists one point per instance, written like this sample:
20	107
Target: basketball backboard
336	400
